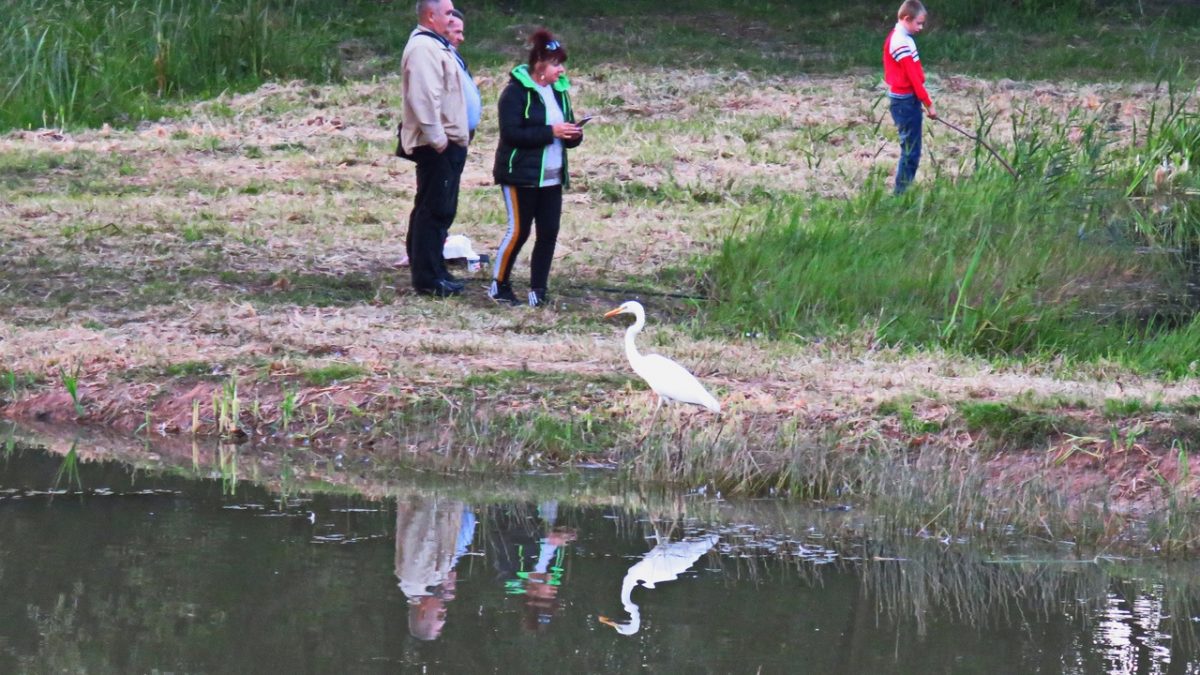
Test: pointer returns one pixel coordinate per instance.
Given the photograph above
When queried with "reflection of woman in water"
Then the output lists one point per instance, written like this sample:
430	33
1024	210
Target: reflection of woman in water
665	562
431	535
528	553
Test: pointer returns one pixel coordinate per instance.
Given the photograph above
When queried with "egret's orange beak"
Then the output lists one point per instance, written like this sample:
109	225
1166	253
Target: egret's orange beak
610	315
607	621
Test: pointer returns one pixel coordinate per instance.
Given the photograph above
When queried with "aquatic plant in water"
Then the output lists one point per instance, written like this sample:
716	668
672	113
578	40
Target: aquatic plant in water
69	469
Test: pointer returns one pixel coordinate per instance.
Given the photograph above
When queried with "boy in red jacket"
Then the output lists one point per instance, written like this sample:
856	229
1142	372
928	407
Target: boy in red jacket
906	87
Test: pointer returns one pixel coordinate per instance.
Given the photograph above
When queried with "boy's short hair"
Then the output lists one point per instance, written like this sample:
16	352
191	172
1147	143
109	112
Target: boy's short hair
910	9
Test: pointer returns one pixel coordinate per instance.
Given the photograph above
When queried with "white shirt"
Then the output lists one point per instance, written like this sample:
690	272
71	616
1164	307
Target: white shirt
552	166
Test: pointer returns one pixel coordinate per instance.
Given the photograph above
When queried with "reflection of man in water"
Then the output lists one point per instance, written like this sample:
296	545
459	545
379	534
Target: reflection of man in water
431	535
528	554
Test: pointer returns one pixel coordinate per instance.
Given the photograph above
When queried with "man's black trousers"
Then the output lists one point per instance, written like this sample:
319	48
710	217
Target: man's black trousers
433	211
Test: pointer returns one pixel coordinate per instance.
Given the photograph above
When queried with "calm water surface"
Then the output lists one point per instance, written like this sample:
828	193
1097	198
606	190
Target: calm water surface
143	573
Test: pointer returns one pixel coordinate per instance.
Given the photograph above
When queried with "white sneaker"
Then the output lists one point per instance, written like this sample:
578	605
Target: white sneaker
502	293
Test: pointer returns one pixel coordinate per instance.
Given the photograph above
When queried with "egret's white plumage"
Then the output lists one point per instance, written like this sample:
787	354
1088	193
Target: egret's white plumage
671	381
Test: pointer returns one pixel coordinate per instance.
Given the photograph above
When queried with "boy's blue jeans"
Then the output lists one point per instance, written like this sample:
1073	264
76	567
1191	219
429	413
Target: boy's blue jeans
908	115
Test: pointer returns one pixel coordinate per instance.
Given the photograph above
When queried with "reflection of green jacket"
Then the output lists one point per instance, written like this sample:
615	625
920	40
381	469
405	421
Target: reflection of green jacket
518	548
524	134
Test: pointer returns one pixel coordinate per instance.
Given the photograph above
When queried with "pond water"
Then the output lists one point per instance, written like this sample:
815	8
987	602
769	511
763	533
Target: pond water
136	572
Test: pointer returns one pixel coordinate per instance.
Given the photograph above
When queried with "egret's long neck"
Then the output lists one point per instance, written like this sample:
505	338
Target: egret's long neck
635	616
631	349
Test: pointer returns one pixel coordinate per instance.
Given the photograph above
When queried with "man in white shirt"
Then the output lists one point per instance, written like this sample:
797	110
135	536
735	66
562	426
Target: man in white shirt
470	89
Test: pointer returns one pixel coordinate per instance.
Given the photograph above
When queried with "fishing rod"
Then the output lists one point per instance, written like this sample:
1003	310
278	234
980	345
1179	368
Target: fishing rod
980	141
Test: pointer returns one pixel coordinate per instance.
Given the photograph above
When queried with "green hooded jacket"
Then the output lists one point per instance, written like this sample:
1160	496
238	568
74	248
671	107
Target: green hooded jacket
524	135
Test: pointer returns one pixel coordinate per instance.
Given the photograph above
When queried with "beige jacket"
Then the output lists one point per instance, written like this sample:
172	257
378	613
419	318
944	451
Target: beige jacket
426	534
435	108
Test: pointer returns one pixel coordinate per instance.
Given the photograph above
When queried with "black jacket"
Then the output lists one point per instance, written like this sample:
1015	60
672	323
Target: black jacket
524	134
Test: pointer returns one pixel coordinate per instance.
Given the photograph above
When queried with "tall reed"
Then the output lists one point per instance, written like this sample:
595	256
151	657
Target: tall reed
1087	254
65	63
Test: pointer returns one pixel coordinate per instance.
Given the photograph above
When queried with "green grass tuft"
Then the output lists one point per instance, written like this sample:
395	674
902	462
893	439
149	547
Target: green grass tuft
335	372
1010	425
1115	409
189	369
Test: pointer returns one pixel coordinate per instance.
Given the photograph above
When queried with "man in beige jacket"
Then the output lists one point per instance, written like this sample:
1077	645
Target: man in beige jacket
432	534
434	134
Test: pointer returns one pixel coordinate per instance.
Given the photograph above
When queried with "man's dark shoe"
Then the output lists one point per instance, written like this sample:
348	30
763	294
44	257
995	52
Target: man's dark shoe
502	293
454	283
441	289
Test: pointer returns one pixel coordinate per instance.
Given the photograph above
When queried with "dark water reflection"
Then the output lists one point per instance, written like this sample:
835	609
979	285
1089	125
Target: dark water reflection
147	573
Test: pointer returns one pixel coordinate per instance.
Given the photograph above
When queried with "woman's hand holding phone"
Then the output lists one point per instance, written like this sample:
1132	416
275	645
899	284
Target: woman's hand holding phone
566	131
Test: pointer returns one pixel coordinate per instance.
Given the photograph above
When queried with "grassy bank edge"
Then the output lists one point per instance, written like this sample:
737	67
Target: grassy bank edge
1092	472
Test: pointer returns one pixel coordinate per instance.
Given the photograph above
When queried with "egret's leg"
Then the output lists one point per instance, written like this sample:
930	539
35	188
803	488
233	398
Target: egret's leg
653	418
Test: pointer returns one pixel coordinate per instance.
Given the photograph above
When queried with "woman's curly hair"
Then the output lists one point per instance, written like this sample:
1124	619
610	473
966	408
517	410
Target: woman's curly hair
545	47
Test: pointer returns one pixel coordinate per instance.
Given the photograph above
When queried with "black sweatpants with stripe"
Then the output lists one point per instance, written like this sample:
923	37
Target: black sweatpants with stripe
529	208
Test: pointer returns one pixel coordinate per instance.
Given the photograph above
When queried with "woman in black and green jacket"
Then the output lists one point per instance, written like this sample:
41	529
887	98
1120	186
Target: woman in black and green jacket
537	126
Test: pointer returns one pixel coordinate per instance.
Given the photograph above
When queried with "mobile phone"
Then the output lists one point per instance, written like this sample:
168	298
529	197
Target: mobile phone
585	120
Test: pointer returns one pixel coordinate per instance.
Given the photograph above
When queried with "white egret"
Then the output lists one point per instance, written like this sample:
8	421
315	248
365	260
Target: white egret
671	381
665	562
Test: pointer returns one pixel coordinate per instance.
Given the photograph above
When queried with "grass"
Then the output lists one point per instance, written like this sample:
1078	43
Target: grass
78	173
1085	256
545	384
69	469
252	235
552	422
17	168
313	289
333	373
68	284
903	409
71	284
1128	407
1015	427
547	438
70	382
66	63
190	369
13	382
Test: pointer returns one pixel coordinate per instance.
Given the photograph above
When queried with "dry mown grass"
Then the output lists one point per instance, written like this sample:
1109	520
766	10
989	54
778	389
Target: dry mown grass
258	237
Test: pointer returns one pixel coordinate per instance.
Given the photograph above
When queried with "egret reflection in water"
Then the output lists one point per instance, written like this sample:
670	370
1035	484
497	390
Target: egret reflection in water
665	562
170	573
